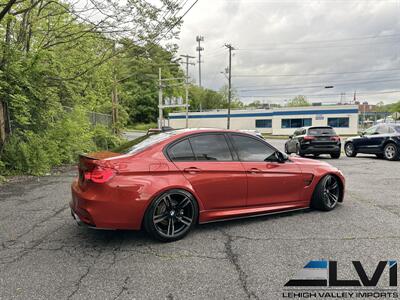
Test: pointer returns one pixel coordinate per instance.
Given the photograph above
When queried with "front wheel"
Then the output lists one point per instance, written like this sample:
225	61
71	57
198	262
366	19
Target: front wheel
349	150
335	155
171	216
391	152
326	194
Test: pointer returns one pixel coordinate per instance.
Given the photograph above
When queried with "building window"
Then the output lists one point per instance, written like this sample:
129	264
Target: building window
264	123
338	122
296	123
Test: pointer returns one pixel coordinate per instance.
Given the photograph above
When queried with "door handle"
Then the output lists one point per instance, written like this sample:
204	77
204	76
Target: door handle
192	170
254	171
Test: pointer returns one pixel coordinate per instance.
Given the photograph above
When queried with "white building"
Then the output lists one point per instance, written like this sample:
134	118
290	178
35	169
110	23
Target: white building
279	121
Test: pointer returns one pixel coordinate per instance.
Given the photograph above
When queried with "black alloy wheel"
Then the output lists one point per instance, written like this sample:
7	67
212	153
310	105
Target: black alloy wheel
171	215
327	193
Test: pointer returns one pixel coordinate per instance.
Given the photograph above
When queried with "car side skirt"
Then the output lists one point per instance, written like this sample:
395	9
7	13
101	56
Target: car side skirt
248	212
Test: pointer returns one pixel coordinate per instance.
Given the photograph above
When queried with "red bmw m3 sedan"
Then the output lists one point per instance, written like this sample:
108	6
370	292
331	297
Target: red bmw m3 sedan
168	182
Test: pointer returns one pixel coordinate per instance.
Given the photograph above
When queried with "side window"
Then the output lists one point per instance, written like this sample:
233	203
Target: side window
383	129
211	147
181	151
371	130
250	149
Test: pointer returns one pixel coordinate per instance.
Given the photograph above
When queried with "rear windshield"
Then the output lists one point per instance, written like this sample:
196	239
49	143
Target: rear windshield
321	131
142	142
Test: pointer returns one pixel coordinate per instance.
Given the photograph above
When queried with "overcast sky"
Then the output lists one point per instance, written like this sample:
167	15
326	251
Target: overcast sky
302	42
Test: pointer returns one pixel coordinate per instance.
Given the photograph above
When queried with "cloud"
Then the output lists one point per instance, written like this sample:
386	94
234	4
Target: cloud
299	37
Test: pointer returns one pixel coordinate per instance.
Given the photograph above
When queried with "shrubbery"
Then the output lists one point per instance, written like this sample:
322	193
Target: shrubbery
27	152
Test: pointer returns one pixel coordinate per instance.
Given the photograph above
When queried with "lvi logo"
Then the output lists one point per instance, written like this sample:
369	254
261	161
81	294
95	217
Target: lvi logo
323	273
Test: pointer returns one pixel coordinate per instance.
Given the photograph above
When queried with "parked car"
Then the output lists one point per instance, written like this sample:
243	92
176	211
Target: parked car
253	132
383	140
314	140
170	181
158	130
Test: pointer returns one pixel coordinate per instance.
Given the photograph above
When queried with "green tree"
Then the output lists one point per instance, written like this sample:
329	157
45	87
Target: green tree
298	101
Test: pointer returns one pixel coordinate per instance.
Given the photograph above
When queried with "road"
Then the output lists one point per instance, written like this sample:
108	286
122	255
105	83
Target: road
45	255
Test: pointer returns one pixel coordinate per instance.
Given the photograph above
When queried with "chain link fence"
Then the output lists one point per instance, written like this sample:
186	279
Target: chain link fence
95	118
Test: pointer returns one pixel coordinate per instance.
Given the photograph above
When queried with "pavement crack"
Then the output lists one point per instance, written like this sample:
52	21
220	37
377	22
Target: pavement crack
123	288
83	276
234	260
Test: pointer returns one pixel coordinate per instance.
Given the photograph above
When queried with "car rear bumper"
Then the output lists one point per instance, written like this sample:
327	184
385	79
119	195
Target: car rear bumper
100	211
321	149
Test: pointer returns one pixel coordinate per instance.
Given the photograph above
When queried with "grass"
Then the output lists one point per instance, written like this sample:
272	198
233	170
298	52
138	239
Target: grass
141	126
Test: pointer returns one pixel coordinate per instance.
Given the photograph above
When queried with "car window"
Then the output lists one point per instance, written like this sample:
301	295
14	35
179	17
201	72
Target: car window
397	128
181	151
143	142
371	130
250	149
211	147
321	131
382	129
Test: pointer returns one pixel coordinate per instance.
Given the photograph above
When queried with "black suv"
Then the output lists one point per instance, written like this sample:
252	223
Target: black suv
383	140
314	140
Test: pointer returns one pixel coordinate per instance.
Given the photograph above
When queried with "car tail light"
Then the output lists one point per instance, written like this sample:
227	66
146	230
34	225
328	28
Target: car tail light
335	138
99	174
309	138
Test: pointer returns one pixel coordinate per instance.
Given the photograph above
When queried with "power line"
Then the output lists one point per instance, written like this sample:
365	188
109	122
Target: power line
335	40
318	95
381	43
314	74
286	87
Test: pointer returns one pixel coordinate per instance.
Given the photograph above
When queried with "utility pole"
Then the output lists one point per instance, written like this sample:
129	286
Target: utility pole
230	48
160	99
114	97
114	100
187	63
199	39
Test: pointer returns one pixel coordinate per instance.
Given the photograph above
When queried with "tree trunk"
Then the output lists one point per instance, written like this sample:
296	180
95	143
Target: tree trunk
2	124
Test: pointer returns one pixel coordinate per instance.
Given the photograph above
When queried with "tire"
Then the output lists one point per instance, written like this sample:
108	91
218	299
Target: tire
349	150
286	149
335	155
391	152
326	194
298	151
171	215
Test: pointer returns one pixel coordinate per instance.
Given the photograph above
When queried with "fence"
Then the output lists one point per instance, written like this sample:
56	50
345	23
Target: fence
95	118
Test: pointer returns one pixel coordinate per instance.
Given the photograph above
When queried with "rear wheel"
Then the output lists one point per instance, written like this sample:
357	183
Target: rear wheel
391	152
171	216
349	150
298	151
326	194
335	155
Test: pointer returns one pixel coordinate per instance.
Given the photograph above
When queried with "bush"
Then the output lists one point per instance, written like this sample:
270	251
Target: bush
27	152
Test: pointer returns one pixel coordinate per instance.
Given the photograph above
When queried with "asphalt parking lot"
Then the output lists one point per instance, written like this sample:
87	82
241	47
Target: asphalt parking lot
45	255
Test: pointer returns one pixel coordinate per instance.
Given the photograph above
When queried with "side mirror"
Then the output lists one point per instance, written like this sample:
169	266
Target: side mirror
290	136
280	157
362	133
